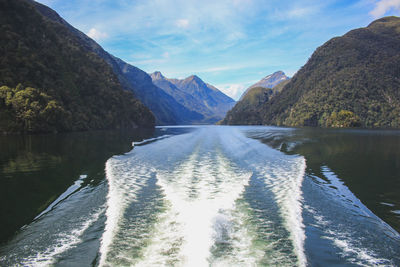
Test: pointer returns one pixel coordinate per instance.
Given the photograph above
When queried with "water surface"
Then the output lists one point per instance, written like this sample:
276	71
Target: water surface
207	196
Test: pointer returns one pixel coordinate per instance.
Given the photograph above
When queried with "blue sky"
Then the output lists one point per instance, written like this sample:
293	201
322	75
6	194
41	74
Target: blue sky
228	43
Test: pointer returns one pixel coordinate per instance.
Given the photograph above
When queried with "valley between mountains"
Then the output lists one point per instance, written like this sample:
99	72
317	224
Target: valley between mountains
54	78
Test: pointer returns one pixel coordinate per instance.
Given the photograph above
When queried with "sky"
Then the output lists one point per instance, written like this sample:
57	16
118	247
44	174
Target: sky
230	44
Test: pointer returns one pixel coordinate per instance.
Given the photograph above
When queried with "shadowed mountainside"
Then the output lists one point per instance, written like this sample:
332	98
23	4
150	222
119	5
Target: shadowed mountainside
164	107
51	82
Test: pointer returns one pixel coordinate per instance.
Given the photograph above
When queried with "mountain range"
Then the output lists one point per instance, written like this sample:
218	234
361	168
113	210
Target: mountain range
167	108
349	81
55	78
197	96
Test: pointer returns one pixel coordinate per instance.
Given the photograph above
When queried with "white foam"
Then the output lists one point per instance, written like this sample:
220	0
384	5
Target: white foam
284	176
64	241
387	204
145	141
285	180
192	216
202	175
343	240
123	183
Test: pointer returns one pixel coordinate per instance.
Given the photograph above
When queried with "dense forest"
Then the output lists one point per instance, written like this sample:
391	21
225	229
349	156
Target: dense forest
350	81
49	82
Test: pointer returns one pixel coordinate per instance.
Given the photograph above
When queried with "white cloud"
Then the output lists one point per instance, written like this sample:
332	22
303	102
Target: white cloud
182	23
141	55
217	69
296	12
165	55
96	34
300	12
232	90
383	6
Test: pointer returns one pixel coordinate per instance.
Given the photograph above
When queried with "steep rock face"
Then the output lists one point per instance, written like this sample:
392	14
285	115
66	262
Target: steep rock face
356	75
50	81
269	81
197	96
165	108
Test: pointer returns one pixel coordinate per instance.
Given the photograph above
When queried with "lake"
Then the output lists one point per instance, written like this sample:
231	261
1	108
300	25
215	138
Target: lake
201	196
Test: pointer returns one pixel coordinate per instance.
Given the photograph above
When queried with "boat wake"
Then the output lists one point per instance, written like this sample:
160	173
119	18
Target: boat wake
186	200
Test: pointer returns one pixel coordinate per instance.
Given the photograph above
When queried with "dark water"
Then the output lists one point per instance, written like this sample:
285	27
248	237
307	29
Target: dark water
367	161
36	169
198	196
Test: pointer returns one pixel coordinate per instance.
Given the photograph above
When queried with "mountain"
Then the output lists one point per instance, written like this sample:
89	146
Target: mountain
268	81
352	80
356	74
164	107
197	96
50	81
246	110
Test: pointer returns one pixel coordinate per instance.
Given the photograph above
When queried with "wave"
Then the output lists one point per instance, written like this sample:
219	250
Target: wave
339	219
283	175
150	140
199	181
64	240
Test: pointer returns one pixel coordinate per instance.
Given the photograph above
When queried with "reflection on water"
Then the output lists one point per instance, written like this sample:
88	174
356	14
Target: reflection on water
36	169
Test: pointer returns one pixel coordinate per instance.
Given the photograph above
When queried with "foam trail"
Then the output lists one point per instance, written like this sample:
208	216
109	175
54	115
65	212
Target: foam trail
197	193
65	241
146	141
123	184
287	188
283	175
202	175
113	213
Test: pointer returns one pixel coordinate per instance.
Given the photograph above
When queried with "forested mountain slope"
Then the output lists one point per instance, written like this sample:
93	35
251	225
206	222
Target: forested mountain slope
353	80
51	82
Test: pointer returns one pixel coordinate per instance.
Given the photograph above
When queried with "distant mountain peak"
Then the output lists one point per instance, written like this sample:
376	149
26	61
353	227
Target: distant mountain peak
194	78
276	76
268	81
157	75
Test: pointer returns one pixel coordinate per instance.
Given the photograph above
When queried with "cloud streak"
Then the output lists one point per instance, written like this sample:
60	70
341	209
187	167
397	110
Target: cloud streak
383	6
227	42
235	91
182	23
97	35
